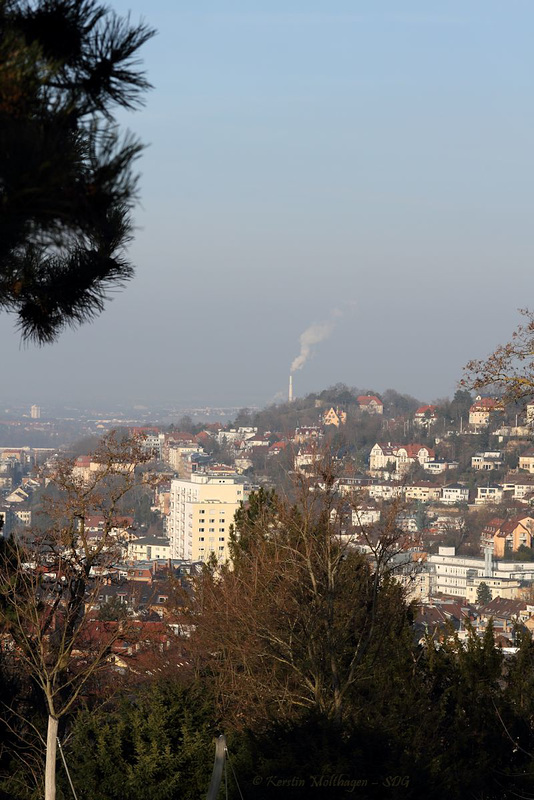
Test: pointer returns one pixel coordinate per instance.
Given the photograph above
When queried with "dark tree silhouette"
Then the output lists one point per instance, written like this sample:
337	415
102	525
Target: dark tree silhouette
67	184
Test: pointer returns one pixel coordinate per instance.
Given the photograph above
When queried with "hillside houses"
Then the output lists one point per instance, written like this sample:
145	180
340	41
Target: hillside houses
398	458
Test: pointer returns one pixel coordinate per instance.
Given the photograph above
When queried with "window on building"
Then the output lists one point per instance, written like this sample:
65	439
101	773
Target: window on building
221	538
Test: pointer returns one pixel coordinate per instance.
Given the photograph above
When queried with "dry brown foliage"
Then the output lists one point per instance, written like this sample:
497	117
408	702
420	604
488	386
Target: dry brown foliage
510	368
302	620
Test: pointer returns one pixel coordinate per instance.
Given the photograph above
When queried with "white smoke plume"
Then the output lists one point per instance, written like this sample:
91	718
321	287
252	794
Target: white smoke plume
312	336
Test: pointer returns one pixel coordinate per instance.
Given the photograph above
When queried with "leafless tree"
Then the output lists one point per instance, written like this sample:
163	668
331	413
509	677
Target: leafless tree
49	585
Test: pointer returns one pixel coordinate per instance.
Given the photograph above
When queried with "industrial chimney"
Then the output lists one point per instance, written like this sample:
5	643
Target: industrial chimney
290	396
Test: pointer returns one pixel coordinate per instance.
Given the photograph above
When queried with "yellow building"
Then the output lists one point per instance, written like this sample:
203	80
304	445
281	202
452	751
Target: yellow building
201	512
334	416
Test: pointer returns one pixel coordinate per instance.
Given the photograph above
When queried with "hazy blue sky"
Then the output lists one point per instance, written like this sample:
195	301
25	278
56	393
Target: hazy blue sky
374	157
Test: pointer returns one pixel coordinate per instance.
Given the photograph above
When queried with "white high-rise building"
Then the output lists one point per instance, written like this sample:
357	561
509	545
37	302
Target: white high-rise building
201	512
35	412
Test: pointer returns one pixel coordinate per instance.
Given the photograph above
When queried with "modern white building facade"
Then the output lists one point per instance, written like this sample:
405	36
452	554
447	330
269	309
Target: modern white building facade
451	574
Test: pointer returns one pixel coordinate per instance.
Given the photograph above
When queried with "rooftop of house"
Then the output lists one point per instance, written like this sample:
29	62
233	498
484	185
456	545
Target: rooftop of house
487	404
424	409
503	607
367	399
152	541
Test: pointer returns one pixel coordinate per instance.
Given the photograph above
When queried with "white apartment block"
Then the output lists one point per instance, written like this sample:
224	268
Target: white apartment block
461	575
201	512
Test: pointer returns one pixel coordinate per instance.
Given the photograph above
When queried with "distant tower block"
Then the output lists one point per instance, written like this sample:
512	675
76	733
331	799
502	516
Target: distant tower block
35	412
290	395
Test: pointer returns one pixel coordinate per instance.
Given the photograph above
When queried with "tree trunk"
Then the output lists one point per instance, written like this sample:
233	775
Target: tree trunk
50	769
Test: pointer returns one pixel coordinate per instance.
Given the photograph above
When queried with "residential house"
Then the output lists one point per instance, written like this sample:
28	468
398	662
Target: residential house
482	409
505	613
258	440
18	495
148	548
349	485
425	416
389	490
519	487
526	461
489	533
277	448
509	535
455	493
365	515
490	459
398	457
438	465
334	416
307	433
306	457
370	404
492	493
423	491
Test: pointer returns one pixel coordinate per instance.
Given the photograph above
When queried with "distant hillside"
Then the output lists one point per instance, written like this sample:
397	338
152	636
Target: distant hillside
285	417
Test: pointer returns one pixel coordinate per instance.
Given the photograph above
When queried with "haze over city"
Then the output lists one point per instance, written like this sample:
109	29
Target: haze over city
273	493
370	161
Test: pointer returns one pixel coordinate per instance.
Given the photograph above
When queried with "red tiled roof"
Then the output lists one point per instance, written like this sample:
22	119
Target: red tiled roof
365	399
423	409
486	404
